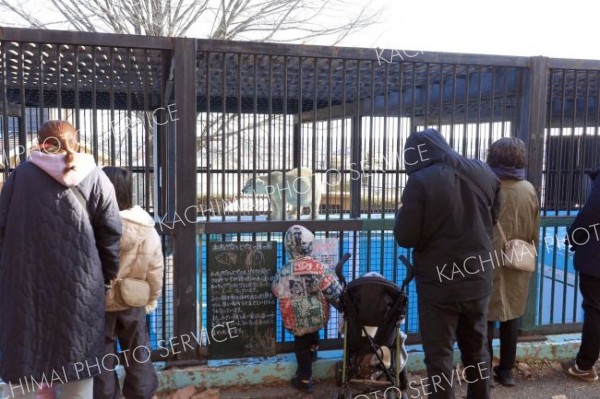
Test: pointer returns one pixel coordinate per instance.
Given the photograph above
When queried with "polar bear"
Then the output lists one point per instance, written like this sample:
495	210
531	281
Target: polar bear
298	184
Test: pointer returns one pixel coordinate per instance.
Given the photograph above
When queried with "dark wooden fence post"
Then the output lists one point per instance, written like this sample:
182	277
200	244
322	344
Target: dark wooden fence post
532	131
184	246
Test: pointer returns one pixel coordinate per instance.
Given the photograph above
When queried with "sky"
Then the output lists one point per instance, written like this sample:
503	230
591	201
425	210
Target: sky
553	28
560	29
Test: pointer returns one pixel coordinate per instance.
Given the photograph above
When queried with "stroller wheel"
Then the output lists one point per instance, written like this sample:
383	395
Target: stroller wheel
338	373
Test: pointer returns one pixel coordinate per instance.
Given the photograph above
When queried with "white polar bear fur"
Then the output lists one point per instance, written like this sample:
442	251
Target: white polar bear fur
295	183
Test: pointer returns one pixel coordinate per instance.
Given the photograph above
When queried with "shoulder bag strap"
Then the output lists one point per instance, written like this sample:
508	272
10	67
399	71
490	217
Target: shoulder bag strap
471	183
81	199
504	240
474	187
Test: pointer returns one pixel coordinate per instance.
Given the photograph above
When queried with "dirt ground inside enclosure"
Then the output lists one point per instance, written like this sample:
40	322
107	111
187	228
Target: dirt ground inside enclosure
539	380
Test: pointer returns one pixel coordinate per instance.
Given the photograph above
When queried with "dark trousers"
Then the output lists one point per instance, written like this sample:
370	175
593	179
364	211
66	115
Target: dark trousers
305	347
141	382
509	334
590	335
440	324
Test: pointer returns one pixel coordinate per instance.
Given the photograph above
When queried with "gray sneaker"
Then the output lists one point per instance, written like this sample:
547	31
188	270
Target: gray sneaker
570	368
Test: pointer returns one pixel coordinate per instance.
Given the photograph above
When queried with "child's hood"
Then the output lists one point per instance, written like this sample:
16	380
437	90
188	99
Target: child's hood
298	241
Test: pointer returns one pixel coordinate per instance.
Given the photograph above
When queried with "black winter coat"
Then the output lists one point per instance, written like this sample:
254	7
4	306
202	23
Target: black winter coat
446	222
54	259
584	233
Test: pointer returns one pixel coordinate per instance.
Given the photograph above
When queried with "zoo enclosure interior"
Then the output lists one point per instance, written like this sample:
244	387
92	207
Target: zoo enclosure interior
342	114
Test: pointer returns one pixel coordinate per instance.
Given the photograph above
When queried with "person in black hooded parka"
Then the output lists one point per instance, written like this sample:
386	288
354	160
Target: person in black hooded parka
449	207
583	238
59	245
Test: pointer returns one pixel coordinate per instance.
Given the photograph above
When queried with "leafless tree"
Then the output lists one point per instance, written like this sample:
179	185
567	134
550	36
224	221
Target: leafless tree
261	20
270	20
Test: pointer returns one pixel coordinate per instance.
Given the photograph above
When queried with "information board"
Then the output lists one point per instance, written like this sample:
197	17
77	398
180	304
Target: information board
239	295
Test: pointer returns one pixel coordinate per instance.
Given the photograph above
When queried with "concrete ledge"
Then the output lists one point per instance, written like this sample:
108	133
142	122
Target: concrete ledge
277	369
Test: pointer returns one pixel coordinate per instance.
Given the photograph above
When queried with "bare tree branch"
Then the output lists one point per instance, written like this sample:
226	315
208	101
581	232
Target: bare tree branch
263	20
280	20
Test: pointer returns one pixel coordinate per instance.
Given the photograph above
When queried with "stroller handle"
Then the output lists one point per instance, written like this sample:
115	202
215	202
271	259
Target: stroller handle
339	268
410	272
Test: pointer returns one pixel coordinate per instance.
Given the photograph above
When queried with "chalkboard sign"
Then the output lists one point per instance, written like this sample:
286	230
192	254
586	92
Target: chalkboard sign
241	305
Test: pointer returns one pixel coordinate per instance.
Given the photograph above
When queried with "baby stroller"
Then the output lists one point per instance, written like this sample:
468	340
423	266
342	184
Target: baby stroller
373	310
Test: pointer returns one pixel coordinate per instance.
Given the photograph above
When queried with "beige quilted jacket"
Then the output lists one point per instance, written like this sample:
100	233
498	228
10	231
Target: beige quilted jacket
140	247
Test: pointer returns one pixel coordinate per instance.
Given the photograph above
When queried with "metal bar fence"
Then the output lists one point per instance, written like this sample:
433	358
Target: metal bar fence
264	110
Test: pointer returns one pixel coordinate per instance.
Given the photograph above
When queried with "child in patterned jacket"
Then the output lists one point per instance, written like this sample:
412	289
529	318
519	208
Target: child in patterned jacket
305	288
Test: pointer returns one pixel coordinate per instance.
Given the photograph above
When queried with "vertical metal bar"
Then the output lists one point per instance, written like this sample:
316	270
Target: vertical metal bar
314	143
22	101
384	149
209	121
284	143
239	135
574	151
255	156
94	105
519	82
550	177
491	126
540	280
76	94
40	59
343	139
4	56
477	152
466	111
111	100
426	97
398	167
223	130
371	149
586	142
553	284
270	120
559	189
575	294
269	138
356	141
270	143
58	82
297	134
330	137
452	126
184	245
413	91
441	102
149	124
130	128
565	284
